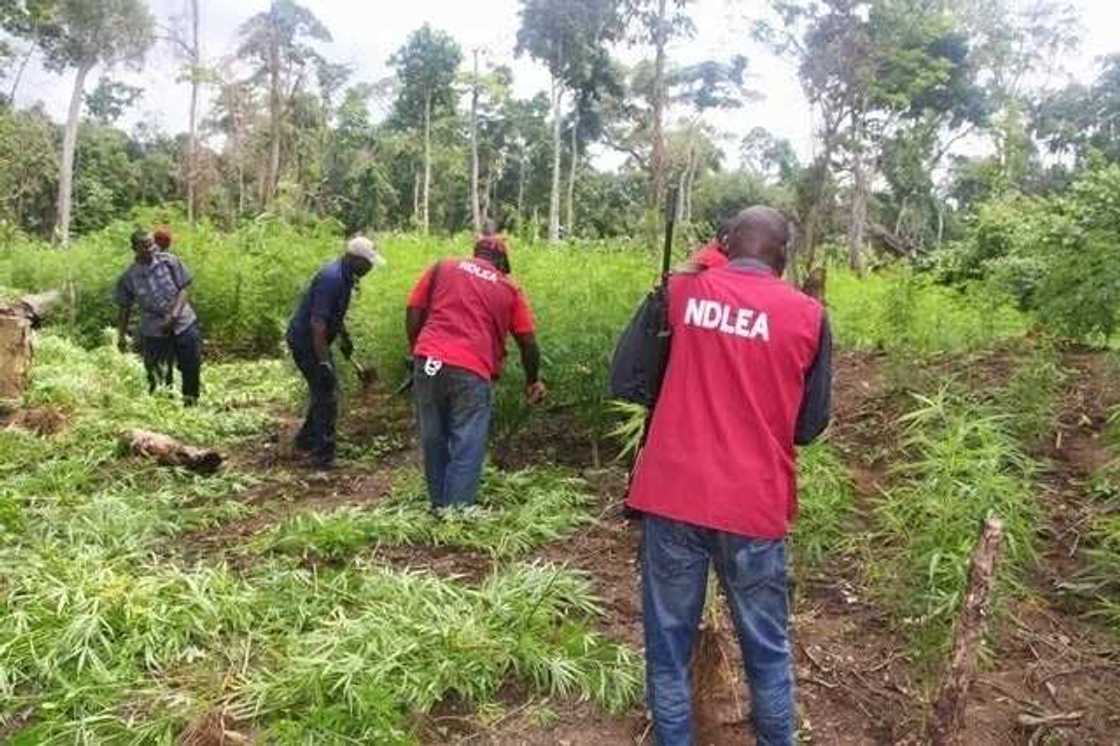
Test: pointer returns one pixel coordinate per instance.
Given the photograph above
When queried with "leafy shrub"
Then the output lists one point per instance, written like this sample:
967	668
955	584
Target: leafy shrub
964	465
1056	256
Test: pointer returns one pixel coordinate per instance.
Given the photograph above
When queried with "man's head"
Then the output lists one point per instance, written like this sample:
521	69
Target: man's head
162	237
489	228
142	246
492	248
362	256
759	233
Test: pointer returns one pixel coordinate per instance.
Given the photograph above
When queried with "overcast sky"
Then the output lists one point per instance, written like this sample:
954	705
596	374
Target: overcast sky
366	33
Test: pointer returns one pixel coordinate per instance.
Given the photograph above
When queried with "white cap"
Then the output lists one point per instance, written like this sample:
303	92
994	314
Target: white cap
363	248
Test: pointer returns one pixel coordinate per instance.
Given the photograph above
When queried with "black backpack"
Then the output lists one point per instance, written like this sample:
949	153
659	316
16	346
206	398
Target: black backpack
642	352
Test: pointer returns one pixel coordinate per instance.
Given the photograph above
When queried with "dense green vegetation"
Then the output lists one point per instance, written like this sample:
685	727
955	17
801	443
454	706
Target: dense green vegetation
967	215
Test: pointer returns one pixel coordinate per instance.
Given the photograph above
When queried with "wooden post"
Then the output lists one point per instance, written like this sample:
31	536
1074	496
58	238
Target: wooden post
948	709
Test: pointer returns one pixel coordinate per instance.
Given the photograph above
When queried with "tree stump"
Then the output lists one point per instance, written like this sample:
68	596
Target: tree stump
15	356
948	709
16	323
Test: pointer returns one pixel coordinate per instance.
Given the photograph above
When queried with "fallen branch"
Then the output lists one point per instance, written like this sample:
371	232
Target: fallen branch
1057	720
948	710
170	452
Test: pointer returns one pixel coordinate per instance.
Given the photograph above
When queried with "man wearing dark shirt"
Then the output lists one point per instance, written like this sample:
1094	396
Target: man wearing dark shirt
157	282
319	320
748	378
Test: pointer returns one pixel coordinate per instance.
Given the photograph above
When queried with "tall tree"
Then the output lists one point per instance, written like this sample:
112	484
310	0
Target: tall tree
80	35
186	40
1080	119
656	23
279	41
109	100
867	68
476	202
570	37
426	66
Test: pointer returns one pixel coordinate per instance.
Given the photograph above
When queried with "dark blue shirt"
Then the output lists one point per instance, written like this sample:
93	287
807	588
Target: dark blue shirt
327	299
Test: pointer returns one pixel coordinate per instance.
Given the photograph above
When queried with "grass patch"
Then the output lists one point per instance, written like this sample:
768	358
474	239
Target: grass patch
516	512
965	464
826	506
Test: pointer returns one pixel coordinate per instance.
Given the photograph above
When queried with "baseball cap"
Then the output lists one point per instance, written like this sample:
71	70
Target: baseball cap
363	248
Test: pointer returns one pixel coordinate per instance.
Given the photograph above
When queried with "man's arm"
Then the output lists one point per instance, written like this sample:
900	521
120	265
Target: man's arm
535	389
176	309
319	343
816	402
345	343
122	328
414	319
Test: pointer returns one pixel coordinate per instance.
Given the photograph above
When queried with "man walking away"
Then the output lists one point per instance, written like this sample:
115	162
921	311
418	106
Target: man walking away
457	320
157	282
749	376
319	320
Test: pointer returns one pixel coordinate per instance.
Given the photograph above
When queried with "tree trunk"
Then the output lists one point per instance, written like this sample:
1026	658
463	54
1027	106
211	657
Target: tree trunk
416	198
554	197
425	215
273	176
521	188
682	185
69	146
657	158
940	224
15	356
476	207
192	146
857	220
572	170
948	709
19	76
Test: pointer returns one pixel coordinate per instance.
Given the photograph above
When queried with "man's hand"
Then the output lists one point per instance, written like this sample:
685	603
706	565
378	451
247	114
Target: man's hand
325	375
535	393
346	346
167	326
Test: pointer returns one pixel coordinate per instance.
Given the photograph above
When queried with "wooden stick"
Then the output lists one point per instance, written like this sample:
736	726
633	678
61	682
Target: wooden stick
170	452
948	710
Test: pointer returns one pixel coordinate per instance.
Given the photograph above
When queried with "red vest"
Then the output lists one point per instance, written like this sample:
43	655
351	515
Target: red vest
720	450
472	308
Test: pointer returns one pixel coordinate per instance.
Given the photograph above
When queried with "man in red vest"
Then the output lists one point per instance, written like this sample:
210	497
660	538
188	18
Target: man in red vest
748	377
458	317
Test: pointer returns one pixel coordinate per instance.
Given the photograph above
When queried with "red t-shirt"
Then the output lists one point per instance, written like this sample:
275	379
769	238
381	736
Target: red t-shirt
720	452
472	308
710	255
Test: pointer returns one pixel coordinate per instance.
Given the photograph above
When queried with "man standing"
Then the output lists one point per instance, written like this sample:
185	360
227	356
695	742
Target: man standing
319	320
157	282
748	377
458	317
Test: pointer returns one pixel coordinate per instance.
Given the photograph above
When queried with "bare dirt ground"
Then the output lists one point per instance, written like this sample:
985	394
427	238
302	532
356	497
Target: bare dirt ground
1048	664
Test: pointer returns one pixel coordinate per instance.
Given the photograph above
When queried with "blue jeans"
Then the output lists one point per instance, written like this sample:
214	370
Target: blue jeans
453	410
752	572
317	433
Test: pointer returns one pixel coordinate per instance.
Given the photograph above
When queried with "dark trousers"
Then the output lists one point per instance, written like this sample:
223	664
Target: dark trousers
318	432
453	409
674	559
183	350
